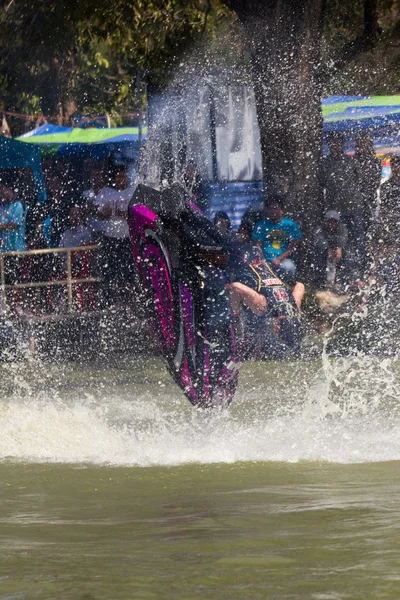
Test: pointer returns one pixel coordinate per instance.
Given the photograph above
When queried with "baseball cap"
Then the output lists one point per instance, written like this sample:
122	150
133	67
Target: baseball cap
332	214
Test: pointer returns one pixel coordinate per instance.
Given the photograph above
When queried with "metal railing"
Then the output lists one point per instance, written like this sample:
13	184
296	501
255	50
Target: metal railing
69	281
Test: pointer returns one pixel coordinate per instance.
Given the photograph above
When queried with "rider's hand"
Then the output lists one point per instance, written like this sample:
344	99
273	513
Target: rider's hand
276	262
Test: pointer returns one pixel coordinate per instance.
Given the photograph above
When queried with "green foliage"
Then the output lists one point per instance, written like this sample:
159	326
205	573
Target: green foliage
85	56
57	58
376	71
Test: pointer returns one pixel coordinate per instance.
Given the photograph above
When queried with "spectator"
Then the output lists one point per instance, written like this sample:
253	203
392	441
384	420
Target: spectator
388	224
58	207
329	241
40	229
278	238
118	264
369	170
78	234
224	225
12	221
38	267
96	183
222	221
97	195
340	180
252	215
12	231
194	185
385	233
24	190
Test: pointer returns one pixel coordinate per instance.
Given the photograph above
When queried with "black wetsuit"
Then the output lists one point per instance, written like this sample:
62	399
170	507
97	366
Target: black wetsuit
251	269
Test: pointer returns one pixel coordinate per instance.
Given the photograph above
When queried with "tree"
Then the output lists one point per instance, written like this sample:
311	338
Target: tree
57	59
285	44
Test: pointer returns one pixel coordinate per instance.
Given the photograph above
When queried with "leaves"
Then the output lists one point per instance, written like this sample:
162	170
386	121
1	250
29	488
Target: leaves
90	51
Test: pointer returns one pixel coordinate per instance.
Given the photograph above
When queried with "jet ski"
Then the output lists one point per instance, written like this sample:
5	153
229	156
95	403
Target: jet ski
182	264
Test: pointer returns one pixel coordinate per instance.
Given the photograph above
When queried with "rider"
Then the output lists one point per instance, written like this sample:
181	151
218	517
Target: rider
274	322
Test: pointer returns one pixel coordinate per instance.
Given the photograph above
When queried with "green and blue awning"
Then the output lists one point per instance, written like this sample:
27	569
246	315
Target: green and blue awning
92	142
379	115
344	113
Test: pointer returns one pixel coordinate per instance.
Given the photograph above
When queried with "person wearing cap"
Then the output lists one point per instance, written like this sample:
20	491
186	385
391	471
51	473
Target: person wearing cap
330	239
278	238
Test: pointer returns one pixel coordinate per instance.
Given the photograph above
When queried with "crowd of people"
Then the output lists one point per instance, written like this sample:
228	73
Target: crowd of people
69	218
74	214
354	228
359	224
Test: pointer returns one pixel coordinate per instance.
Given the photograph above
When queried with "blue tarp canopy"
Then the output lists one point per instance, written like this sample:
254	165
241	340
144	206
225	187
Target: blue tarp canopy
16	155
379	115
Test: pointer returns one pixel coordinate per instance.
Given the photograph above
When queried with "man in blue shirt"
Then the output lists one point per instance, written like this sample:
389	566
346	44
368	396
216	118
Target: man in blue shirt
278	238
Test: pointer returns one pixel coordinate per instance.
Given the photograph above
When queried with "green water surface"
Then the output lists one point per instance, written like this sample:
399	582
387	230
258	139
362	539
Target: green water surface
309	529
240	531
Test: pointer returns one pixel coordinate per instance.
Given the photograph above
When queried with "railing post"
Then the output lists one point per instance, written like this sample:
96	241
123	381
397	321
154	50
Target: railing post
3	284
69	277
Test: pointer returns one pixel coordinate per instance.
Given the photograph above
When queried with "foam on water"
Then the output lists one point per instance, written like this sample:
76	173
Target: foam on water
345	411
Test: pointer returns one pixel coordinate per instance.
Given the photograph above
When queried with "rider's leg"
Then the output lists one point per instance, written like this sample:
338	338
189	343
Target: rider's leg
239	292
298	293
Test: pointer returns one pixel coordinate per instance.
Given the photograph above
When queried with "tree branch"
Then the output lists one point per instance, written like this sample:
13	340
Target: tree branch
207	12
362	43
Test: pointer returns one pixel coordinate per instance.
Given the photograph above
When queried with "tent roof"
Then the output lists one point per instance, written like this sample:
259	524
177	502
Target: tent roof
379	114
16	155
74	140
345	113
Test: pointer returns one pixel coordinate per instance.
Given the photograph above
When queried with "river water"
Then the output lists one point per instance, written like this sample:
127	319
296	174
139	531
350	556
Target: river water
113	487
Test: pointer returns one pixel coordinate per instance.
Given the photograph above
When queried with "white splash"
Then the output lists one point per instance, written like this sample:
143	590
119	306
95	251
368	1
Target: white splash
345	411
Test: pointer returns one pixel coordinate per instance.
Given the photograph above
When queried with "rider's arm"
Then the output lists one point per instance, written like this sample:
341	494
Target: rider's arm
259	245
